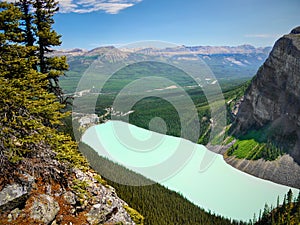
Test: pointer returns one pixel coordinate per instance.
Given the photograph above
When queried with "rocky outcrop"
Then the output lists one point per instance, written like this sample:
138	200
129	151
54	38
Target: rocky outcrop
106	206
84	199
273	98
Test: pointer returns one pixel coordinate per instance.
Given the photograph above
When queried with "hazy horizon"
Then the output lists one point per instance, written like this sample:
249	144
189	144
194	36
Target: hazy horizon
124	46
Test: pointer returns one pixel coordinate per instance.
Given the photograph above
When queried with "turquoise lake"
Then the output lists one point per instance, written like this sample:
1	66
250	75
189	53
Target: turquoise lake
219	188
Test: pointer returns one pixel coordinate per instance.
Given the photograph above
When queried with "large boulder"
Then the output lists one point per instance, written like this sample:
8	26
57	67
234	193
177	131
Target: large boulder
16	194
44	209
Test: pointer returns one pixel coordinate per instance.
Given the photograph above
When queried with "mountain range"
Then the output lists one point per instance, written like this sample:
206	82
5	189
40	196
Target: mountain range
180	50
236	64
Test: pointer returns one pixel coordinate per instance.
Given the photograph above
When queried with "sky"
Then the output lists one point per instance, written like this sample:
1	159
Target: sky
93	23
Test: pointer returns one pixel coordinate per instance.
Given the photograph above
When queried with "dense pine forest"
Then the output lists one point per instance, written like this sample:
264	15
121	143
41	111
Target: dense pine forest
286	213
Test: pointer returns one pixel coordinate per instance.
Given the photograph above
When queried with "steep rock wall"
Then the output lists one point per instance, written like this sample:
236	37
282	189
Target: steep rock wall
273	98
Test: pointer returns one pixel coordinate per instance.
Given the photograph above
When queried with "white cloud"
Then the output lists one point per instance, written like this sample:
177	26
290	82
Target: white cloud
66	5
86	6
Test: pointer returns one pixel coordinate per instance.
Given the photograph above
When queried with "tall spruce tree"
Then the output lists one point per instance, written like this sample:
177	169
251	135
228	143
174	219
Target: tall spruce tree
289	196
47	38
26	23
36	23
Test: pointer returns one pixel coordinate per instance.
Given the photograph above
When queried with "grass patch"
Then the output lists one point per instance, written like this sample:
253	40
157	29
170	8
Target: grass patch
245	149
254	145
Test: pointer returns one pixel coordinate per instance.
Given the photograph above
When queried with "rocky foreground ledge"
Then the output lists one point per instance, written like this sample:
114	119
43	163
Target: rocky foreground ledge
83	198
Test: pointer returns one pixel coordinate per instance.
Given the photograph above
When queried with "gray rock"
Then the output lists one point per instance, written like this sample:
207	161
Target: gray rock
44	209
273	98
97	214
105	213
9	217
14	195
296	30
107	207
70	197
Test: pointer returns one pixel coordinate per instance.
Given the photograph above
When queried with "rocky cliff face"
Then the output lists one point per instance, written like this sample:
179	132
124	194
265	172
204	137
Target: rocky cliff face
273	98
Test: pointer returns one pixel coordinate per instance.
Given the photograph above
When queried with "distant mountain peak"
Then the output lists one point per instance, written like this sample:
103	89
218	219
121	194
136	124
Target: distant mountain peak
109	53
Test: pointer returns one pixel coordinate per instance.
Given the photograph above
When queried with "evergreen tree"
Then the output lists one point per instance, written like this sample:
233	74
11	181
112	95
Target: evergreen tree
287	214
284	202
298	200
29	114
27	18
48	38
266	211
36	23
289	196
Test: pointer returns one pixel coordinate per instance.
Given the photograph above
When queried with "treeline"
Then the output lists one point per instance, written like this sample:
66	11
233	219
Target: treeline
287	213
270	152
156	203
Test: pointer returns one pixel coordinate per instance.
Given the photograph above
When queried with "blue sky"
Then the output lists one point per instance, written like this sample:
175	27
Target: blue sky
92	23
